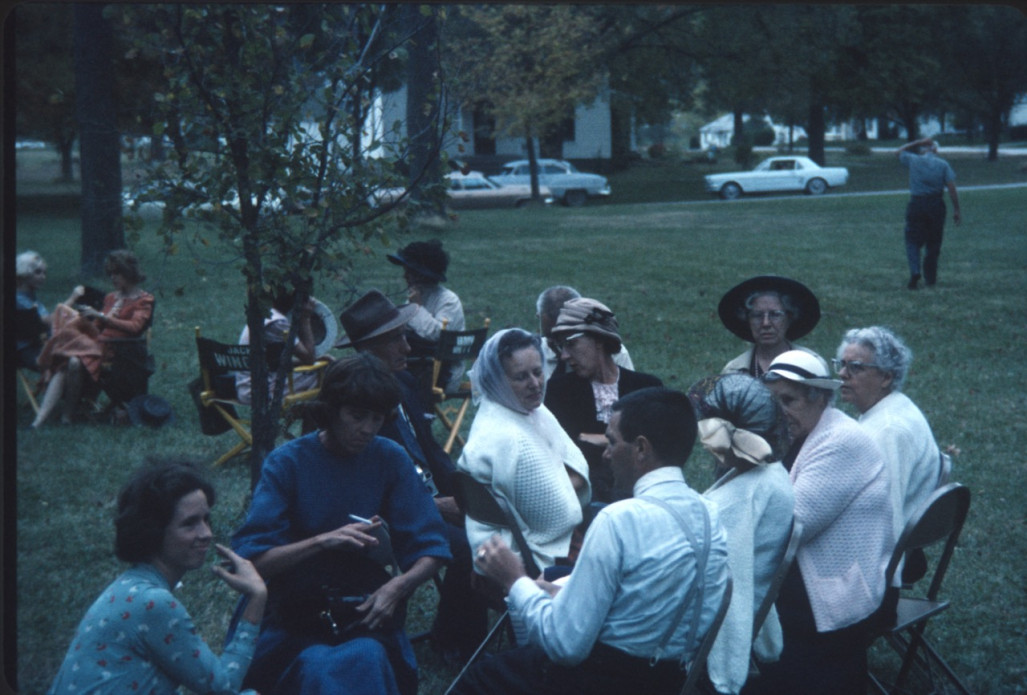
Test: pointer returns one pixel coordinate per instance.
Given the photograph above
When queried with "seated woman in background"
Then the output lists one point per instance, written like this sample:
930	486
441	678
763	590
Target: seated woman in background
33	320
741	425
137	636
587	334
834	594
872	364
518	449
770	312
424	266
276	330
91	348
315	531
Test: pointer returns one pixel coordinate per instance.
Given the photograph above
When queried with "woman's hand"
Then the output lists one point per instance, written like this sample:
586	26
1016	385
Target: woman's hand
381	605
355	536
238	572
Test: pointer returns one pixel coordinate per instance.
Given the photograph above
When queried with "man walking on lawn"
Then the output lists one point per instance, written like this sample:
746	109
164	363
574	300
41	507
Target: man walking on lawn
929	176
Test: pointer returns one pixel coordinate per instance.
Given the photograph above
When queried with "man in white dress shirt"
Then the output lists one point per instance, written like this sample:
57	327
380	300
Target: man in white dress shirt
650	575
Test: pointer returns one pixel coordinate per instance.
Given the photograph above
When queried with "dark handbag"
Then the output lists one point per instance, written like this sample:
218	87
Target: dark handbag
319	597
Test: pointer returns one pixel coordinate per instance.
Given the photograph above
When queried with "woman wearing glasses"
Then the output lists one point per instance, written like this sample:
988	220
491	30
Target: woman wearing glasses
768	311
581	398
834	597
872	364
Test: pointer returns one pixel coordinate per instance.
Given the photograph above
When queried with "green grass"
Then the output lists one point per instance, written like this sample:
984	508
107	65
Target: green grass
662	268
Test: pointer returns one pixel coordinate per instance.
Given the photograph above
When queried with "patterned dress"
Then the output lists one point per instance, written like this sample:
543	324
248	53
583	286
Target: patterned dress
138	638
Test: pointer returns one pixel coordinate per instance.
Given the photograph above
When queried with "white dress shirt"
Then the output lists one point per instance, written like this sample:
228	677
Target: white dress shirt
634	569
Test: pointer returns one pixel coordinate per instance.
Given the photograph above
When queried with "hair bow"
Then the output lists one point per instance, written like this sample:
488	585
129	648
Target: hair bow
721	437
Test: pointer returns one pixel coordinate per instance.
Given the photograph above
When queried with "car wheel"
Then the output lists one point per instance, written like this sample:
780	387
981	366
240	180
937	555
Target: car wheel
816	187
730	191
574	199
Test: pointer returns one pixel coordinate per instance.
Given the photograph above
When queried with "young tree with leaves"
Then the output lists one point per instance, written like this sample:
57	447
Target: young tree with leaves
530	64
267	107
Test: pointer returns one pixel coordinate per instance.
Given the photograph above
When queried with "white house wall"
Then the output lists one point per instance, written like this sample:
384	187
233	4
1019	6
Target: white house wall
592	129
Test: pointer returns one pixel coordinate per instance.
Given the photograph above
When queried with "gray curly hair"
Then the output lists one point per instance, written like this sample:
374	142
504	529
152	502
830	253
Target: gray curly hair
890	352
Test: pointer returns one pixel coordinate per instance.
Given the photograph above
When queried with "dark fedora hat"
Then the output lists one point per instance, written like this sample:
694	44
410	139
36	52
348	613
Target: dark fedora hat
426	258
151	410
732	307
372	315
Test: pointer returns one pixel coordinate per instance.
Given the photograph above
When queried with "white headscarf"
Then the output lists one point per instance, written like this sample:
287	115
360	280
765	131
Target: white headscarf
488	378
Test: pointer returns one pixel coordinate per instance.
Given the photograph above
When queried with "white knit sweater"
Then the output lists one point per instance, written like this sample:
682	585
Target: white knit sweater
910	452
843	499
522	459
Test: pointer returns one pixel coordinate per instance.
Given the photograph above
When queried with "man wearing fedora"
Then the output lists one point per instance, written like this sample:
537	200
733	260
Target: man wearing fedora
424	268
374	324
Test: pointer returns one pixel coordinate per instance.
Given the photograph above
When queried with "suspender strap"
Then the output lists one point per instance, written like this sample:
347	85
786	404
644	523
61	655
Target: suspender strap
698	588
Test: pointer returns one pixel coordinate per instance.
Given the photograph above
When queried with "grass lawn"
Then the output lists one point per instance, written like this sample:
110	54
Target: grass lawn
662	268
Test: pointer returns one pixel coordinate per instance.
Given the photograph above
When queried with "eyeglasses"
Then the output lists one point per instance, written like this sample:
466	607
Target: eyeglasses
854	366
560	343
776	316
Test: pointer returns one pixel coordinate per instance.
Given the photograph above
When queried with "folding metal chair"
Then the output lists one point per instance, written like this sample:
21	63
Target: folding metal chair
697	668
938	521
453	347
478	503
218	364
760	616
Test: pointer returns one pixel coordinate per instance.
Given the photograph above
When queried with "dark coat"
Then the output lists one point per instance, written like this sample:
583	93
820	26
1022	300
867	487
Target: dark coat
434	458
570	399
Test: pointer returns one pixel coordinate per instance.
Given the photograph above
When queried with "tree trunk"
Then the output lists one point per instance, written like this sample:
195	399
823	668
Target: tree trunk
816	131
993	126
739	129
102	229
532	165
421	112
65	148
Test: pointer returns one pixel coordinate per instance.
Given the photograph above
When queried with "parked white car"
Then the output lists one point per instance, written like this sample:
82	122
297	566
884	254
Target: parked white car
569	186
778	174
475	190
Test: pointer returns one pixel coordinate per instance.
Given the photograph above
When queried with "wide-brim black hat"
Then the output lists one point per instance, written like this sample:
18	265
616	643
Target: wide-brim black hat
732	305
151	410
426	258
372	315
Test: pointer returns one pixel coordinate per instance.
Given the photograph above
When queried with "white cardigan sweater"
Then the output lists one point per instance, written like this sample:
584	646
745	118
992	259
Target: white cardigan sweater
843	499
522	459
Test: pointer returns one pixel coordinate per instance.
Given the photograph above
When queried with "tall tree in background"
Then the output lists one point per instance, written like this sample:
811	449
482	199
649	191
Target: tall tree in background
649	52
899	67
99	142
269	109
531	64
45	79
990	69
422	77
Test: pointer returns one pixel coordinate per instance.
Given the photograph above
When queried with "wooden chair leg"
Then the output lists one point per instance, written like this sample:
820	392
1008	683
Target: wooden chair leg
454	429
30	391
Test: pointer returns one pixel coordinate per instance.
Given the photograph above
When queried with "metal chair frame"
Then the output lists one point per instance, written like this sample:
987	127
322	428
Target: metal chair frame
939	520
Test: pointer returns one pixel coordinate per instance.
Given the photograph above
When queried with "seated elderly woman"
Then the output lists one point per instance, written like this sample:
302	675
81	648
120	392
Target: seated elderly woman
834	594
518	449
587	334
424	266
93	349
741	425
872	364
341	528
146	636
32	319
768	311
